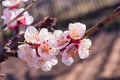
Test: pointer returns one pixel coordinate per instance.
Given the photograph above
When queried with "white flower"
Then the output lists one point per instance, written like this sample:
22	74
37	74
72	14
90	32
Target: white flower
45	63
47	43
68	54
77	30
62	38
11	3
26	18
47	49
46	66
83	49
31	35
9	14
45	40
45	46
53	60
45	35
27	54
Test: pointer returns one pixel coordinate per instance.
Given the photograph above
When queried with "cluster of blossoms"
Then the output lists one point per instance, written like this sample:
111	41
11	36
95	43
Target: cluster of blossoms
41	47
12	10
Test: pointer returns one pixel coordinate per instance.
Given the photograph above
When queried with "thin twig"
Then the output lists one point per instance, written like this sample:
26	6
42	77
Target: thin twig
48	21
101	24
29	6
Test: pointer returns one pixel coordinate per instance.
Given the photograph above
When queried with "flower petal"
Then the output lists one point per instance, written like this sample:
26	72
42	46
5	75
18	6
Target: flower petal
67	60
44	34
29	19
26	53
86	43
53	60
38	62
61	39
46	66
9	3
77	30
31	63
83	53
57	33
30	34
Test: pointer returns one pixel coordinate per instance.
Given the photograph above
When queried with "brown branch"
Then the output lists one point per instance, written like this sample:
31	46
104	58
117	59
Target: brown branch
11	45
101	24
29	6
49	22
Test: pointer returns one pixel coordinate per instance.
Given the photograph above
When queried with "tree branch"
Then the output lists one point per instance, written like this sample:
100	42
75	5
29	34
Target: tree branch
46	23
101	24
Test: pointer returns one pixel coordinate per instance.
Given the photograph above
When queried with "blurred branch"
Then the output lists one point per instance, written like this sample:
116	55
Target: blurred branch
29	6
46	23
101	24
10	46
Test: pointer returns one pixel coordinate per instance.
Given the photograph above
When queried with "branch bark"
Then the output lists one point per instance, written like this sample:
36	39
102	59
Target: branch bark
101	24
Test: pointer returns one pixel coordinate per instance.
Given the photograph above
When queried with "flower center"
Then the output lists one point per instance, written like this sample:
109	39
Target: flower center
45	48
72	51
74	34
32	37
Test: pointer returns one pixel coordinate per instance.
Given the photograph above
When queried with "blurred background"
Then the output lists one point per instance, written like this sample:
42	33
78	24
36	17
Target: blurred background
104	60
